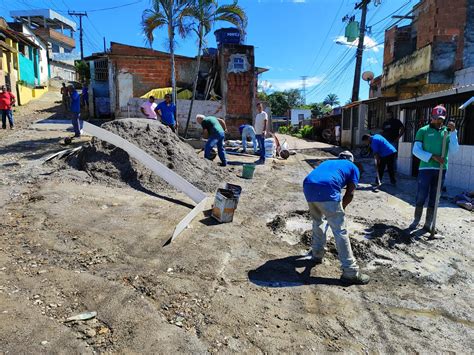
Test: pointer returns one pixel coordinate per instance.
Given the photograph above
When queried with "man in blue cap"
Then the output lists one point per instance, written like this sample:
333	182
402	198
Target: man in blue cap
384	153
323	192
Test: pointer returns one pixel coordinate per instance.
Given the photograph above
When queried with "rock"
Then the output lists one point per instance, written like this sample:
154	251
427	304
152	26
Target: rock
103	330
90	333
44	342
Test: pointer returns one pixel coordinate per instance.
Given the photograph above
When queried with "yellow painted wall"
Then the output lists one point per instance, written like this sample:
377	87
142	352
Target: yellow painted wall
411	66
37	93
26	94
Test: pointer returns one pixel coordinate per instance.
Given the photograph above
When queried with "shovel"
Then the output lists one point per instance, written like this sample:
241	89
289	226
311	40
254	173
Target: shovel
378	183
438	189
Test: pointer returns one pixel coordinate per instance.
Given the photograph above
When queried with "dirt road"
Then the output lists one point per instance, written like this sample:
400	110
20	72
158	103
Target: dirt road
69	244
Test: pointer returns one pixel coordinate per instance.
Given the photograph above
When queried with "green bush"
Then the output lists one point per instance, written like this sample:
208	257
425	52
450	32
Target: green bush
306	132
283	129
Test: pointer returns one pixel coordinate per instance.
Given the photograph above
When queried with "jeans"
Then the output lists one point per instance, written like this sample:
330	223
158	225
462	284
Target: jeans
249	132
77	124
5	114
389	162
261	146
334	214
216	139
427	184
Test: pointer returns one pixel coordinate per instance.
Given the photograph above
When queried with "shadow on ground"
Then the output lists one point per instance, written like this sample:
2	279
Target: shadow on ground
284	272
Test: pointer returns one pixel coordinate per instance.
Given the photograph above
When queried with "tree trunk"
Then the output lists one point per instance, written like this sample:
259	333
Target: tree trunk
173	71
196	78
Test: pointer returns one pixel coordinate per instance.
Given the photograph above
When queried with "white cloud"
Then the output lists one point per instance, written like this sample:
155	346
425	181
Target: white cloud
369	43
372	60
282	85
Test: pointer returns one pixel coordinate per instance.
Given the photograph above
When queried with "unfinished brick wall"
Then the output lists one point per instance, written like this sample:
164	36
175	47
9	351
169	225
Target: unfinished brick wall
150	69
238	88
442	21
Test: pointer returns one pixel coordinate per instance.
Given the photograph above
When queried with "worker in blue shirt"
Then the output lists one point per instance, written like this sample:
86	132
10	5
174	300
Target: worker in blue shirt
384	153
77	122
323	192
167	112
246	131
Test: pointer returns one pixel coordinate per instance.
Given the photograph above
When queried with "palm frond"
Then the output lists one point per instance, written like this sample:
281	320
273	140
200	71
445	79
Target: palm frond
151	20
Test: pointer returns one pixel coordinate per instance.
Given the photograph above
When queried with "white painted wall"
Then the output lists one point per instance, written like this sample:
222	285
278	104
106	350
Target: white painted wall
464	77
294	114
460	167
207	108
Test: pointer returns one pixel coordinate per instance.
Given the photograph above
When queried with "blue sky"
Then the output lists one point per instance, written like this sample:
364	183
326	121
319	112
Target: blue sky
292	38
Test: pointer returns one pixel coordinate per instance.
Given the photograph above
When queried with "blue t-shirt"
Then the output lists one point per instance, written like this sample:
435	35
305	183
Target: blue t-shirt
167	113
75	102
326	182
381	146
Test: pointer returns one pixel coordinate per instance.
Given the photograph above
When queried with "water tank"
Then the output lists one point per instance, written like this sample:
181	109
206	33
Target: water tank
228	36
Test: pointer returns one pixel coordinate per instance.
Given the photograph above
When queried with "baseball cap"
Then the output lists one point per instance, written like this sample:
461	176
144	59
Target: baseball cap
438	112
346	155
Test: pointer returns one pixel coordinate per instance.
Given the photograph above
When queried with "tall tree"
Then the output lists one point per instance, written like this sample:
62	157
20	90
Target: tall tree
331	100
164	13
203	14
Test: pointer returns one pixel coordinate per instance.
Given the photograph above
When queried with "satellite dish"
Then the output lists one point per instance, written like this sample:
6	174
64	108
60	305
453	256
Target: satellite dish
367	76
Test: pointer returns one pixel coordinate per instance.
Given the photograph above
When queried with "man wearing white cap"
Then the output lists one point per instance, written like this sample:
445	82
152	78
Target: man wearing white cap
428	148
323	192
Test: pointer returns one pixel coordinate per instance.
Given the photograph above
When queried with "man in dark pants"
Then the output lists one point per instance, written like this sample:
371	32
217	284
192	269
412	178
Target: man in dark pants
393	130
428	148
214	128
385	154
7	100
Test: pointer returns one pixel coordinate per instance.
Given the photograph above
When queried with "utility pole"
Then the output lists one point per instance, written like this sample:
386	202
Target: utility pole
80	15
105	47
303	78
360	49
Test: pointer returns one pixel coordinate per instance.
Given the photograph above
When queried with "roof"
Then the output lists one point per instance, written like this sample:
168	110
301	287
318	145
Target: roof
261	70
435	95
40	17
18	36
352	104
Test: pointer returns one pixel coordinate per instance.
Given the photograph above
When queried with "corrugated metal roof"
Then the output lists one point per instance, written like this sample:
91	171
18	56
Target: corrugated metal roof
434	95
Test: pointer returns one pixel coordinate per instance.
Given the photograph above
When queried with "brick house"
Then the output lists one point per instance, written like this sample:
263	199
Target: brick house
227	84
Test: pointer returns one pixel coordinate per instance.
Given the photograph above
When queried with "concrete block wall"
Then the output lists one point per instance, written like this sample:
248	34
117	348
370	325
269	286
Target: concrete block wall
405	158
208	108
461	168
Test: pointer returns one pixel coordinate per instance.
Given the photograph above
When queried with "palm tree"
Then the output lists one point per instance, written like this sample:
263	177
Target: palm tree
164	13
331	100
203	14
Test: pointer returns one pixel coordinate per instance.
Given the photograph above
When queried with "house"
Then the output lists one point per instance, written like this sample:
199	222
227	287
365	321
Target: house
227	84
431	62
298	116
57	33
21	64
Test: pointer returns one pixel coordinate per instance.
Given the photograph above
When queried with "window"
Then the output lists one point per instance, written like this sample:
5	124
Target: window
55	48
300	117
101	70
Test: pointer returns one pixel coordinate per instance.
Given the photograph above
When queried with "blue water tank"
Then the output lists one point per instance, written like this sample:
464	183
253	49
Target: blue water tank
228	36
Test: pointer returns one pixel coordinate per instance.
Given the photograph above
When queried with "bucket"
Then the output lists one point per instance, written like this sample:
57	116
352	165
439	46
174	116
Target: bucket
236	190
248	170
224	206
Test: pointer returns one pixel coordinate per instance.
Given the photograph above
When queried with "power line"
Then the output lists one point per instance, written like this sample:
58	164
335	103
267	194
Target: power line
116	7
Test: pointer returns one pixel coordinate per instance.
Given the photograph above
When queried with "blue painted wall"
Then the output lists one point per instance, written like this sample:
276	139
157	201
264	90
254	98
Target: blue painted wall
29	68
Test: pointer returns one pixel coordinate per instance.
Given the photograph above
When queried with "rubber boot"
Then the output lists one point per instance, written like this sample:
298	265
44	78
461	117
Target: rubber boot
429	219
417	218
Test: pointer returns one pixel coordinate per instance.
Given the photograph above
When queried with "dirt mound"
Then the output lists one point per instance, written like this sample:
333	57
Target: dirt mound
107	163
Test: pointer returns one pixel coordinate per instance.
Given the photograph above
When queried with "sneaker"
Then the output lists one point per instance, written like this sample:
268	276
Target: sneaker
4	127
11	127
260	161
309	257
358	279
223	164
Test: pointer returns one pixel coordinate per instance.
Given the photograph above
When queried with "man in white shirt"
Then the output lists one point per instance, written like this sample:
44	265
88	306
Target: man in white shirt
149	108
261	121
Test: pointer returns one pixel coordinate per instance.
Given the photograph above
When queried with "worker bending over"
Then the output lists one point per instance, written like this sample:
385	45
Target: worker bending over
214	129
323	192
247	131
384	153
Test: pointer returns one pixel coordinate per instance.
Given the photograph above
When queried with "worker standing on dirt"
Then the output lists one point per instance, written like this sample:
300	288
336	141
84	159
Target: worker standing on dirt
214	129
384	153
77	122
247	131
7	100
393	130
149	108
323	192
65	97
261	122
428	148
167	113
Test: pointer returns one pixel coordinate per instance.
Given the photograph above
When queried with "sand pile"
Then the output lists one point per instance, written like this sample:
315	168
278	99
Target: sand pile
108	163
